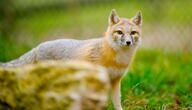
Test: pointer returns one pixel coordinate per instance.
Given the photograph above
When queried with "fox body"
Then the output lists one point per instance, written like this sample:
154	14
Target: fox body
114	51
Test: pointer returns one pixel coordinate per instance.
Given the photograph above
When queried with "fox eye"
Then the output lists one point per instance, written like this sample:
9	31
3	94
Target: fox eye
119	32
133	32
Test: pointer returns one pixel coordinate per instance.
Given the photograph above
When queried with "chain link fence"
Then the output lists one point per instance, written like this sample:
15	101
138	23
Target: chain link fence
166	23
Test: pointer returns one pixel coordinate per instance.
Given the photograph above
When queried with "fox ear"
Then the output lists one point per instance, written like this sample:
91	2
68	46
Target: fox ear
113	17
137	19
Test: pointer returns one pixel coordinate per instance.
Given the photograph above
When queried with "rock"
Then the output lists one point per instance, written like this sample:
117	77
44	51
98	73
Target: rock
51	85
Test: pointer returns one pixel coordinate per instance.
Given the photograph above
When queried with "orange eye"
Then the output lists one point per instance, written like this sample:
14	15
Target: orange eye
133	32
119	32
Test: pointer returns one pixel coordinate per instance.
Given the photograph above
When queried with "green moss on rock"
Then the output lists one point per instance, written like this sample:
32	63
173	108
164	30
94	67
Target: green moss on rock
53	85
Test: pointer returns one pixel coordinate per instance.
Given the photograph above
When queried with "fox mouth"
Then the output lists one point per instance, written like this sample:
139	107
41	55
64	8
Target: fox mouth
126	44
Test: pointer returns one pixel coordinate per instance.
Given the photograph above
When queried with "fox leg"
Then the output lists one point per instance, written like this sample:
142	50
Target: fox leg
116	94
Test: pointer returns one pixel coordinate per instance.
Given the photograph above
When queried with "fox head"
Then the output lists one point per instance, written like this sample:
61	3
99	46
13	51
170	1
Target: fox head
123	32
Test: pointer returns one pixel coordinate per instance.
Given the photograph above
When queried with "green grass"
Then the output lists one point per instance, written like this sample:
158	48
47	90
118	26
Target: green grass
158	80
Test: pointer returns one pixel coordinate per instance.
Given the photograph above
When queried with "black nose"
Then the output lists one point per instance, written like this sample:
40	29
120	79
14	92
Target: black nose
128	42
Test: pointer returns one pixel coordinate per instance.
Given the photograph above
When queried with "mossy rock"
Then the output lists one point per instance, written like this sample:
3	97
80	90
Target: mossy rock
51	85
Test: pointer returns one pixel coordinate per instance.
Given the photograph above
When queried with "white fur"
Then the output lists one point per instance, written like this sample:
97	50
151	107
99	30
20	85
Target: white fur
116	72
126	56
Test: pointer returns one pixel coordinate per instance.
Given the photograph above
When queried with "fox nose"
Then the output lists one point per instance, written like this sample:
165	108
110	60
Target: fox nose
128	42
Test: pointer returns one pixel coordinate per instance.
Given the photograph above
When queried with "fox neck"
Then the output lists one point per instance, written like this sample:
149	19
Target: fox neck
116	60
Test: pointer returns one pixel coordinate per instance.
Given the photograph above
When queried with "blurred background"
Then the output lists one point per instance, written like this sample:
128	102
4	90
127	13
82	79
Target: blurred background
167	24
162	69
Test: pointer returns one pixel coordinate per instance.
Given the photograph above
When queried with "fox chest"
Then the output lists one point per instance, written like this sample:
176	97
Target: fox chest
116	65
116	72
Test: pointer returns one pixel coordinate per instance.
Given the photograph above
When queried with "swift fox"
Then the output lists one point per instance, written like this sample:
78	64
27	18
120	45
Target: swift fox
114	51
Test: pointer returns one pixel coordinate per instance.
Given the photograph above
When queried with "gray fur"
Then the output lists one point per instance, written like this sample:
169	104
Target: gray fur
61	49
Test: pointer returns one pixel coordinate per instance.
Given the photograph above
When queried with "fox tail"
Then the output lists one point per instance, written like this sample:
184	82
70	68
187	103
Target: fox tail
1	64
27	58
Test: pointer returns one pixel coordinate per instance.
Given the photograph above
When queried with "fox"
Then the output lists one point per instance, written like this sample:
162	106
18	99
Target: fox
114	51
